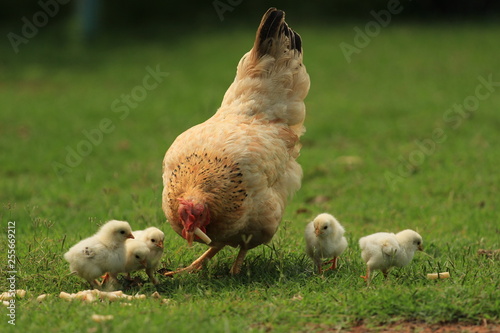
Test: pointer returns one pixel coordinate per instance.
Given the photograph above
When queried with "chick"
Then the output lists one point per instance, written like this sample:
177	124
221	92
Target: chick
325	239
137	253
384	250
153	237
136	256
103	252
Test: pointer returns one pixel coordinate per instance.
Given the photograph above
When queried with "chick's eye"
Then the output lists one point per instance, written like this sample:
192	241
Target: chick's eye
325	227
122	232
153	240
137	256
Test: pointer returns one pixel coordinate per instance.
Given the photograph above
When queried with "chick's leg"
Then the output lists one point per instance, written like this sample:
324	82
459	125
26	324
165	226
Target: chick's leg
367	276
198	263
94	284
333	262
110	281
105	278
319	264
151	273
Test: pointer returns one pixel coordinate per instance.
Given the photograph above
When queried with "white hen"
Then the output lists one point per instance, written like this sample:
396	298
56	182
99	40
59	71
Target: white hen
229	178
384	250
101	253
325	239
153	237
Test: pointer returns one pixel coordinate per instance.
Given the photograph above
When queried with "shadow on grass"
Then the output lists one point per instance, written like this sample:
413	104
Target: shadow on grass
261	269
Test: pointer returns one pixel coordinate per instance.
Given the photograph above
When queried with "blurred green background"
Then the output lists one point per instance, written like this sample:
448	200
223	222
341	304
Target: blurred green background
65	66
142	18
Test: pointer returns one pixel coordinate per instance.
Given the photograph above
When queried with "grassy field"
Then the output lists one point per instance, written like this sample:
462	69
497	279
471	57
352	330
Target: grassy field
403	136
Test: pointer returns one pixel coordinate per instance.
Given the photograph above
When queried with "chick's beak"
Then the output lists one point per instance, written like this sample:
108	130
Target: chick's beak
130	236
420	247
143	262
160	244
317	231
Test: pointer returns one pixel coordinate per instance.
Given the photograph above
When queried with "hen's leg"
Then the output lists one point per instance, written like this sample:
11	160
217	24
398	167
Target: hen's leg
239	261
198	263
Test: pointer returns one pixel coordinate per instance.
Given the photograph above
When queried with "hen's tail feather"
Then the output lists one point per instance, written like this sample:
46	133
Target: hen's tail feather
271	81
272	32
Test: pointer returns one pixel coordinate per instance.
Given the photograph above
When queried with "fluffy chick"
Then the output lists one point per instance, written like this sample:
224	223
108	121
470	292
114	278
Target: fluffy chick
153	237
136	254
325	239
103	252
384	250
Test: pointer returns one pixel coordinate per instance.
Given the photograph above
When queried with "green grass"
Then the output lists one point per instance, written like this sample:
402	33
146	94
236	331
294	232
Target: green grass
396	91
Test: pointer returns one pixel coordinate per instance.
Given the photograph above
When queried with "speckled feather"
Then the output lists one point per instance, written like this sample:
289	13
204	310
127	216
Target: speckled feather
241	162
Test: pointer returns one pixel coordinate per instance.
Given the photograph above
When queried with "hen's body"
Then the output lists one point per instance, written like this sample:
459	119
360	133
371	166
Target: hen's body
240	164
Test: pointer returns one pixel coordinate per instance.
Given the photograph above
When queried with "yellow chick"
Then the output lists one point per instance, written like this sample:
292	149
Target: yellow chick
101	253
325	239
384	250
153	237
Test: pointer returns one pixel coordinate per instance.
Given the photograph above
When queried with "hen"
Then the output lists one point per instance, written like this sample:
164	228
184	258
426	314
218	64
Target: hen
384	250
229	178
